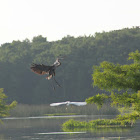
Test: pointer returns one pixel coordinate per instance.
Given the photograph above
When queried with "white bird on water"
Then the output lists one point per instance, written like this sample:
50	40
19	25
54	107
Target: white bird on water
69	103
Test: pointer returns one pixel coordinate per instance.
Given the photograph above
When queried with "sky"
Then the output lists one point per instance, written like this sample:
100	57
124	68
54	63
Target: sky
55	19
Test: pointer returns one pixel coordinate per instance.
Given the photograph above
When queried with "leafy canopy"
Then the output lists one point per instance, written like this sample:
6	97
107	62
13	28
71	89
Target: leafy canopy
110	77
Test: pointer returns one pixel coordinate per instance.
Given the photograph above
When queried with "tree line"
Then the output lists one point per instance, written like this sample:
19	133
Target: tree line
75	73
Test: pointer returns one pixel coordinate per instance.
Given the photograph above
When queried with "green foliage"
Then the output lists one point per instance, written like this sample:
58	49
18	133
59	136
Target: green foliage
72	124
120	121
99	99
39	39
98	129
121	77
110	77
4	108
126	100
129	116
119	100
135	56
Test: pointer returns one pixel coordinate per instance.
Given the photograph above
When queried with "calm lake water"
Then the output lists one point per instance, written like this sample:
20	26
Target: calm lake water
49	128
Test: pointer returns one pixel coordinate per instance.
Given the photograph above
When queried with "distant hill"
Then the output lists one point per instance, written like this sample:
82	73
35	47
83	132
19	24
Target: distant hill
74	75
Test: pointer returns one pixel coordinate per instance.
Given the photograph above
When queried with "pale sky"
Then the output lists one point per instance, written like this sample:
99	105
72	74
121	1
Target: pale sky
55	19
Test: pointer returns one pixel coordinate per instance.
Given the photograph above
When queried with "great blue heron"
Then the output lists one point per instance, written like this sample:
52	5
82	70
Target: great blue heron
42	69
69	103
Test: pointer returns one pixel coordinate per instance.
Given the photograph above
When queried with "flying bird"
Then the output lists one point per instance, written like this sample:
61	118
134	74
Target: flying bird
69	103
42	69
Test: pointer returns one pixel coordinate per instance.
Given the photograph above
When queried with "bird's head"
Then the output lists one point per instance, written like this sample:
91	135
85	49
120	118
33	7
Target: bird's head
57	62
67	102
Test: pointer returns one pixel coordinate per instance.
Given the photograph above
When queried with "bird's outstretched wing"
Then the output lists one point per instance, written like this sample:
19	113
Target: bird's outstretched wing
78	103
57	104
40	69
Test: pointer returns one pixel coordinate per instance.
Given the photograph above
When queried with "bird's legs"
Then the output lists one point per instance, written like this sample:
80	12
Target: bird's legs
56	82
53	79
53	85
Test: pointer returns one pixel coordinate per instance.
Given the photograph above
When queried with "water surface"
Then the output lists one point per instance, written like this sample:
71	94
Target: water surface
49	128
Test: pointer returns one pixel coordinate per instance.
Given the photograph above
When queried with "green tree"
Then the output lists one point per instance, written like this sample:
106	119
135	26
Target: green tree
112	77
39	39
4	108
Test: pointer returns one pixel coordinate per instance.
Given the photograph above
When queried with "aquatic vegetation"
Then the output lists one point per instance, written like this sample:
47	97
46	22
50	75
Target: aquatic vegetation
99	123
97	129
126	120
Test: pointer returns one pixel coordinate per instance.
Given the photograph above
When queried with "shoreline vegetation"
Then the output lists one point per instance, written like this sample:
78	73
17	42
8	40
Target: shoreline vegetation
24	110
97	130
115	77
120	121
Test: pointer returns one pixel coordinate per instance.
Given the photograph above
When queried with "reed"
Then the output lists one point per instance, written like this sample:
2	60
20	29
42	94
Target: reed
25	110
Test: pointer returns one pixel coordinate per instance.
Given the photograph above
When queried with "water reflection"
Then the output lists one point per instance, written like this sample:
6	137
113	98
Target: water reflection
58	133
49	128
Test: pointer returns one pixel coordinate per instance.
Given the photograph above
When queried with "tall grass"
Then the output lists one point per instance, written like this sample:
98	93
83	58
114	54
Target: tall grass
24	110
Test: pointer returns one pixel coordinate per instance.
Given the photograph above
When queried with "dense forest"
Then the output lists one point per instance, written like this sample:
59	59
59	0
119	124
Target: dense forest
75	73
